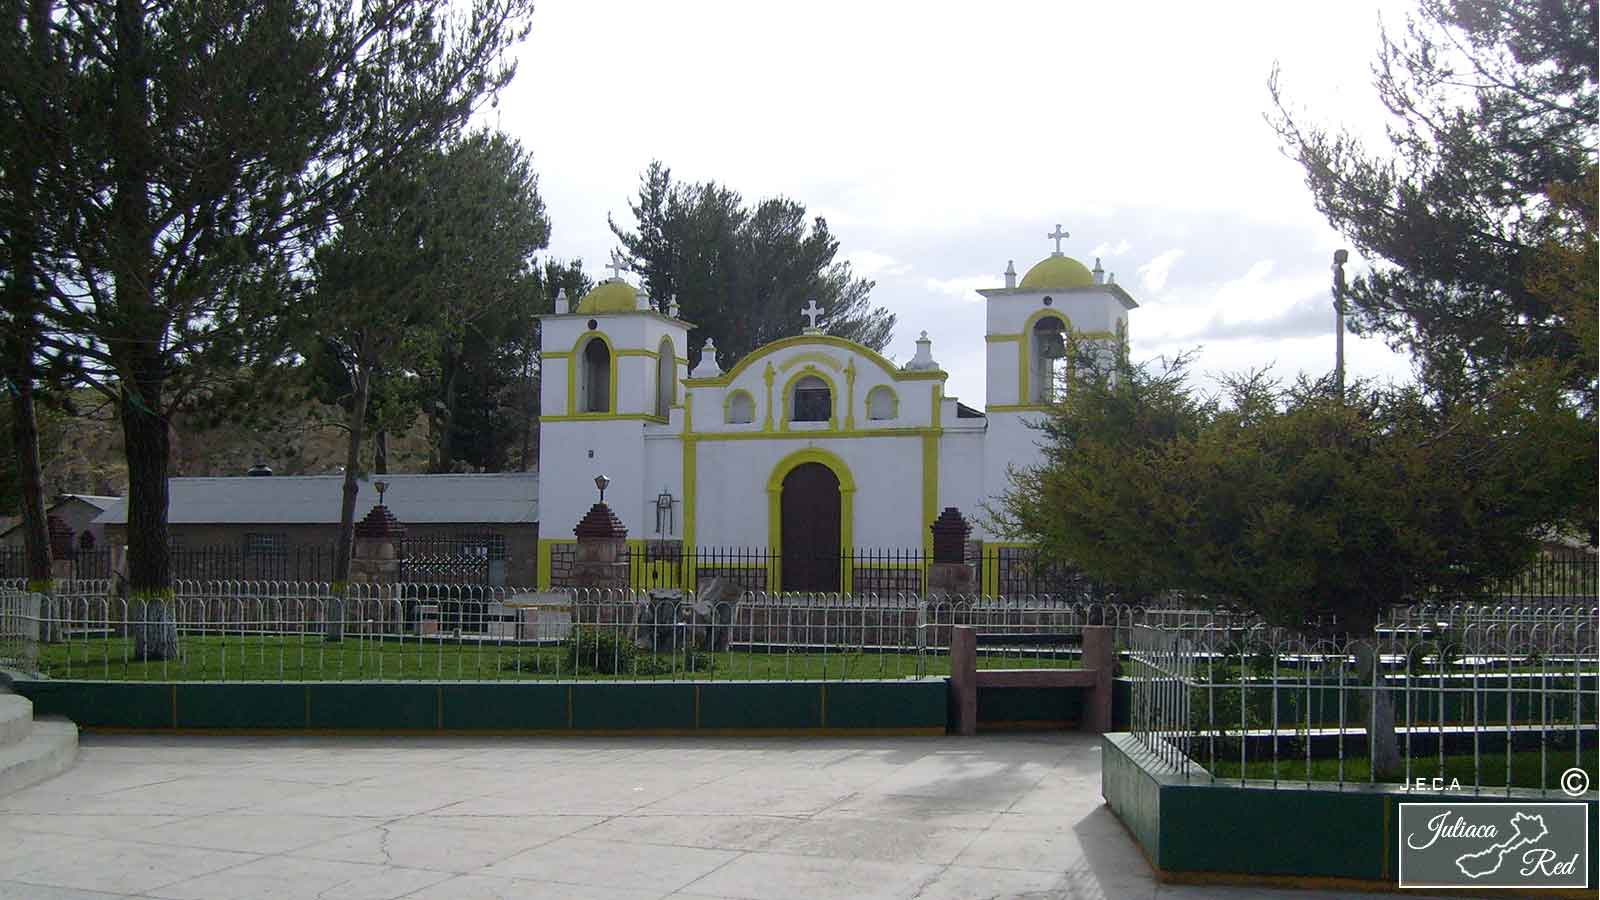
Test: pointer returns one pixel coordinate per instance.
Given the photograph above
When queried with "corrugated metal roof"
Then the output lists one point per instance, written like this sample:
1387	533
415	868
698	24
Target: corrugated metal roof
92	499
314	499
9	524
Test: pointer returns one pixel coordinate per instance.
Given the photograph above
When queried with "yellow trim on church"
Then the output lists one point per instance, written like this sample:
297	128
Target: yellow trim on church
787	396
574	361
847	491
762	352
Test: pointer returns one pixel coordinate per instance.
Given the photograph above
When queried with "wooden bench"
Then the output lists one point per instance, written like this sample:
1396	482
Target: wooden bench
1094	676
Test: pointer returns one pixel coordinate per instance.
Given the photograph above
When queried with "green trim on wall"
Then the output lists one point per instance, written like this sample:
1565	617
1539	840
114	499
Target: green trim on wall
683	707
1192	829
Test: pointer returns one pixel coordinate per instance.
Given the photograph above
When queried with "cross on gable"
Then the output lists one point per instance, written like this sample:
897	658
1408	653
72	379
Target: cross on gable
616	266
1056	236
812	311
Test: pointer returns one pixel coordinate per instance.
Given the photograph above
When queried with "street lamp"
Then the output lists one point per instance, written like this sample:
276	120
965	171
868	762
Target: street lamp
1340	257
382	486
600	481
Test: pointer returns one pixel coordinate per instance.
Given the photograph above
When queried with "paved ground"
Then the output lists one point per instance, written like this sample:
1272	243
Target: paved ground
599	819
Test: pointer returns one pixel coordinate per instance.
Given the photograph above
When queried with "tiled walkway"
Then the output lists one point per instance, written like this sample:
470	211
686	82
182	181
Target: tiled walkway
465	818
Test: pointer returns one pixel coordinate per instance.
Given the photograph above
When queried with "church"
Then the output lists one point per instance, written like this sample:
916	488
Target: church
809	446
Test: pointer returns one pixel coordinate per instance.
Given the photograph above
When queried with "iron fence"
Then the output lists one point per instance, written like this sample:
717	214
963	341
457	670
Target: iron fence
998	571
1437	697
228	630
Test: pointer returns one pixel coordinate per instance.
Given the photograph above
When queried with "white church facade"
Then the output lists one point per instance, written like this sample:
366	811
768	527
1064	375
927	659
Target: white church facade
808	447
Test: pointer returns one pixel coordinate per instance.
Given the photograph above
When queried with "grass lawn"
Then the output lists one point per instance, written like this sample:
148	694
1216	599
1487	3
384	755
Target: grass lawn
1491	769
310	658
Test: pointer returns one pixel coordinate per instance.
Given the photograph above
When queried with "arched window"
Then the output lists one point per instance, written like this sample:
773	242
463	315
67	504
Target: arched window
1049	351
741	409
596	382
666	378
882	403
813	402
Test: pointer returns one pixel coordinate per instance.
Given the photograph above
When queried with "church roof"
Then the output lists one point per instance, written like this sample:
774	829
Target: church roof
611	295
498	498
1057	272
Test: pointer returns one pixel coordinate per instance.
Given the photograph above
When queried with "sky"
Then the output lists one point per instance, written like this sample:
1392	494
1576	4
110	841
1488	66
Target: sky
942	140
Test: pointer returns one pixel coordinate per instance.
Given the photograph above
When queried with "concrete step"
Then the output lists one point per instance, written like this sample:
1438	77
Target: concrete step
16	719
47	752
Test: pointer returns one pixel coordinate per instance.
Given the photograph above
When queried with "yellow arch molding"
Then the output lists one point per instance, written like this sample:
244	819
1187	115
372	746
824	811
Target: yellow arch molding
574	360
812	357
894	399
672	369
785	397
1024	398
727	406
847	492
767	350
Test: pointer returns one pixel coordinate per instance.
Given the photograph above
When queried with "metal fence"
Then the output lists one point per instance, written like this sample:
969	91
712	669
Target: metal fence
304	631
1458	696
999	571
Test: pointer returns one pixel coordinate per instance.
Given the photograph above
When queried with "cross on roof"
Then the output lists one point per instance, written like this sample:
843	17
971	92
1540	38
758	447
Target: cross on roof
812	311
616	265
1056	236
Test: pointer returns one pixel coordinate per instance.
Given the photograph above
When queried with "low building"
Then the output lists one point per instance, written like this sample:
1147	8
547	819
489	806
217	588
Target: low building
77	511
480	529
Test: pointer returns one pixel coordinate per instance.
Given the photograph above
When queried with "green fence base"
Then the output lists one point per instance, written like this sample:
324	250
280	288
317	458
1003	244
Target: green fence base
723	707
1195	831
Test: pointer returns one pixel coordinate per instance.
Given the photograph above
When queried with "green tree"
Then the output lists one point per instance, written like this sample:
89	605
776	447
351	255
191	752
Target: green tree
198	149
1492	104
742	274
1296	502
427	249
28	45
486	386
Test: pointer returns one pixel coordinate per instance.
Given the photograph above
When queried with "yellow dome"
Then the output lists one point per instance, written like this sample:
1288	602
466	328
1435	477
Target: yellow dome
610	296
1056	273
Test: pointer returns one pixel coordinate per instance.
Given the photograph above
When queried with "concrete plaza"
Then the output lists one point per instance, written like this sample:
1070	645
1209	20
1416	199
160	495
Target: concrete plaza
294	818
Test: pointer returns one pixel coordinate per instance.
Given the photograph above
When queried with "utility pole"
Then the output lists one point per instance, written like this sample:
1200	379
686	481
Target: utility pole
1340	257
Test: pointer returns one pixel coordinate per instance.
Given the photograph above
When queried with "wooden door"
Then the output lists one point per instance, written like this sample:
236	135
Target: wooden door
810	520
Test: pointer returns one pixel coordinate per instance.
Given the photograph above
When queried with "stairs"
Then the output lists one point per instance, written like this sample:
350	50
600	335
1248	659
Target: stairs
31	751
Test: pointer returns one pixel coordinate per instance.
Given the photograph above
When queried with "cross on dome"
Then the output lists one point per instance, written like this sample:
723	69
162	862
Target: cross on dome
812	311
1056	236
616	266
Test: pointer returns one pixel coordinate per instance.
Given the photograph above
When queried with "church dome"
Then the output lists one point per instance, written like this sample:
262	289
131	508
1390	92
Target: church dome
1057	273
612	295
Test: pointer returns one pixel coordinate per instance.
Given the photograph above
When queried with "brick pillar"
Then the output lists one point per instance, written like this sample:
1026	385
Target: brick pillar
376	556
601	559
61	550
375	559
949	573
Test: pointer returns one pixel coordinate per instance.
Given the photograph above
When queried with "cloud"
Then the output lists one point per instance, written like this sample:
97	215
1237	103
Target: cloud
1154	273
1106	250
965	288
1307	318
872	264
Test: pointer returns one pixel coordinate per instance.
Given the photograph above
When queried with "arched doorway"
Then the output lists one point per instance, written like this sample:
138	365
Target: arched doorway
810	522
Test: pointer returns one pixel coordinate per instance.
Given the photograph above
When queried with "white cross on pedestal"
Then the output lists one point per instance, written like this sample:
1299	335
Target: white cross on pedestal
616	266
1056	236
811	311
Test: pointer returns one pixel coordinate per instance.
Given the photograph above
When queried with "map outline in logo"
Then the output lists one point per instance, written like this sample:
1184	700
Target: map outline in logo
1521	827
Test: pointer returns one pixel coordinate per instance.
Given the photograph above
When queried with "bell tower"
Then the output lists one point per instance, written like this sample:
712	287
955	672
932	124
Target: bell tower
1031	322
611	373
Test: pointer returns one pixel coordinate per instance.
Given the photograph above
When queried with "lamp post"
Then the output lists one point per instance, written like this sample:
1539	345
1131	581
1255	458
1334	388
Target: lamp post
600	481
382	486
1340	257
